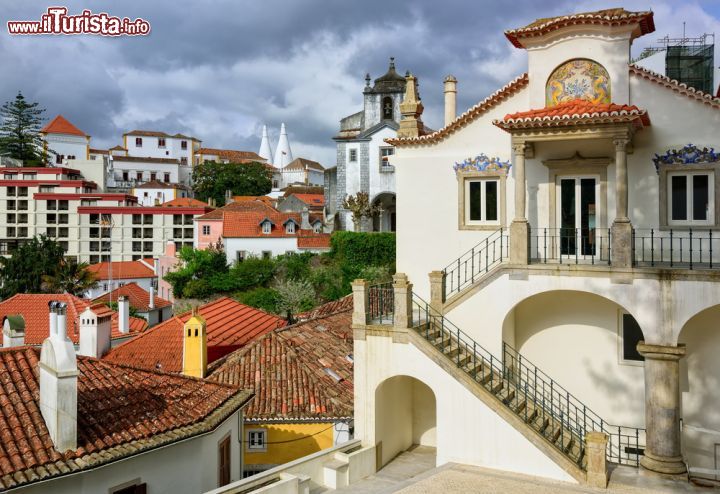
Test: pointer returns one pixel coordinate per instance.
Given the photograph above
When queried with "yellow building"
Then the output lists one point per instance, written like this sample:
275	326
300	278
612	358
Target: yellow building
303	379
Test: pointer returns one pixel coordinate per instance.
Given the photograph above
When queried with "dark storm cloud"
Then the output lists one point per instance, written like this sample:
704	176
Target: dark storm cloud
220	69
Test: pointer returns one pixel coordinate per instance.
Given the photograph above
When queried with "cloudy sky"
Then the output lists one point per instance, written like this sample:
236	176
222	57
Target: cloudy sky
220	69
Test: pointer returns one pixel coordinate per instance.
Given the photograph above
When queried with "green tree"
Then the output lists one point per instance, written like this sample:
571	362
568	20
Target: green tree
20	125
260	298
360	207
294	297
212	179
70	277
197	265
22	272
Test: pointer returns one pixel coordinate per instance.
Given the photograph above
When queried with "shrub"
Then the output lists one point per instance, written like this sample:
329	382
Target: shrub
363	249
197	289
260	298
327	280
252	272
294	266
375	274
295	296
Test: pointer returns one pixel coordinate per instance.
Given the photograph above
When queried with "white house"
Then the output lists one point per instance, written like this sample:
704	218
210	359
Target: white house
155	192
64	141
112	275
569	260
154	144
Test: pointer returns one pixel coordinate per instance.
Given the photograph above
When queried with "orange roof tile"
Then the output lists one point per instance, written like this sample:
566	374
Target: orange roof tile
675	86
299	372
316	200
237	206
339	305
573	113
607	17
34	309
137	296
121	270
121	412
231	154
184	202
247	224
265	199
230	325
60	125
302	163
317	241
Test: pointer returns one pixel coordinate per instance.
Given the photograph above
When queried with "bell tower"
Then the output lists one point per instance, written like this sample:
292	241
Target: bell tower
195	346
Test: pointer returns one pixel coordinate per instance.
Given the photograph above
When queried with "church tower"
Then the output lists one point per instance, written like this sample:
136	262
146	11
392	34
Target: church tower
382	100
195	346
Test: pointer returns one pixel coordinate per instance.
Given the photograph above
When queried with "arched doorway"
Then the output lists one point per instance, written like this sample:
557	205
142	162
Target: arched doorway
699	382
586	343
384	219
405	415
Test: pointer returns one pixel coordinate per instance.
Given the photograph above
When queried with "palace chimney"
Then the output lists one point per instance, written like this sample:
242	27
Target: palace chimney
450	99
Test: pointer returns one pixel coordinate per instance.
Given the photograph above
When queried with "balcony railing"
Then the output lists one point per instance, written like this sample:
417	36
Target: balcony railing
570	246
684	249
470	266
381	303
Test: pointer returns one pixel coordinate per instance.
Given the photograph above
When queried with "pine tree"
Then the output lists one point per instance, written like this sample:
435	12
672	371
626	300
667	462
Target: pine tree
20	126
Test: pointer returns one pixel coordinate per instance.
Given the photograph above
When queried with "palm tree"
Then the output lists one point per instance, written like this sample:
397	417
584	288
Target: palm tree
71	277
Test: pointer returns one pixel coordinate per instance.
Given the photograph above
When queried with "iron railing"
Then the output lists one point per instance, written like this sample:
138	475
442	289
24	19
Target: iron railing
625	444
688	249
381	304
473	264
569	245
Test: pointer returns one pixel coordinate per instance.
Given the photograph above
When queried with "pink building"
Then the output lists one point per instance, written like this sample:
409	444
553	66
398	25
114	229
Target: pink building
164	264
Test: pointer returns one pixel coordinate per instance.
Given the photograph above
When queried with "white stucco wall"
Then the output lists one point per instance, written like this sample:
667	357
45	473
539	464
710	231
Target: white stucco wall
256	246
67	145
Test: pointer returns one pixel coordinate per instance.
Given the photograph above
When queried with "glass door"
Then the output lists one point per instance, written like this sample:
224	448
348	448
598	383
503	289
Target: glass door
577	211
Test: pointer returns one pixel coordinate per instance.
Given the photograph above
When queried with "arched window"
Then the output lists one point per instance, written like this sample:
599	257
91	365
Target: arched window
387	108
578	79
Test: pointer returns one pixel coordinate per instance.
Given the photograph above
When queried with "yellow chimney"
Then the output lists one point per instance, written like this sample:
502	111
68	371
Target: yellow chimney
195	346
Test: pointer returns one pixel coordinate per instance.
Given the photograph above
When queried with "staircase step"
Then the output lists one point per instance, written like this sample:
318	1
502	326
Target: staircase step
554	431
568	441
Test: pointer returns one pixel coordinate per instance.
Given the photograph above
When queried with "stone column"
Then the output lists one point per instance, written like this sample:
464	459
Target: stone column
361	302
519	226
595	446
402	294
662	408
437	290
622	228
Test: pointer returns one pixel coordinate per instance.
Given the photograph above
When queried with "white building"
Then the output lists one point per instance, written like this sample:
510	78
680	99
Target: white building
112	275
299	171
64	141
364	159
153	144
155	192
569	257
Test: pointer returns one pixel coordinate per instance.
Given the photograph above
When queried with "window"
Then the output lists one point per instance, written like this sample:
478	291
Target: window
166	177
275	184
385	153
63	232
188	219
51	205
51	231
387	108
353	155
153	176
147	246
290	227
11	218
136	219
147	219
481	201
266	227
139	176
188	233
11	191
63	219
147	233
177	219
94	246
631	335
161	142
317	227
240	256
125	176
206	229
138	142
51	218
177	232
224	462
256	440
22	218
11	205
137	246
183	145
11	232
22	191
183	160
23	232
23	205
63	205
691	197
63	244
266	254
58	159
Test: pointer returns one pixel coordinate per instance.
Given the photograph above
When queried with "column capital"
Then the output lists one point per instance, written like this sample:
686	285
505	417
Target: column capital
621	143
661	352
519	147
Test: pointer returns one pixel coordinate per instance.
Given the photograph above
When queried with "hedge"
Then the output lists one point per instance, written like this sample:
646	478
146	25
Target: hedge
363	249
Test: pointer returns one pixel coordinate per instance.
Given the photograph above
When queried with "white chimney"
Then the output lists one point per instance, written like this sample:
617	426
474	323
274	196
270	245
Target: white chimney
450	99
152	297
305	219
94	334
58	384
13	330
123	314
53	317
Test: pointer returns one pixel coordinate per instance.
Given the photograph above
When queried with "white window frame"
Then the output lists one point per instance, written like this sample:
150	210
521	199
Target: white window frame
317	227
483	206
290	227
352	155
206	229
689	199
266	227
249	447
240	256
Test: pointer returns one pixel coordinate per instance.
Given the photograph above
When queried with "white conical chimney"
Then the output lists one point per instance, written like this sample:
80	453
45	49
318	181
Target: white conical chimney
283	155
265	149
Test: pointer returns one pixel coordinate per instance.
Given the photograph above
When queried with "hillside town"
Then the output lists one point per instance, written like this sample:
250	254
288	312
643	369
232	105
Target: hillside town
523	298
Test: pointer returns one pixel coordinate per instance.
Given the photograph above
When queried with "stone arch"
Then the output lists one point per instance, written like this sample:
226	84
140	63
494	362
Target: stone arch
576	338
388	110
405	415
579	78
384	220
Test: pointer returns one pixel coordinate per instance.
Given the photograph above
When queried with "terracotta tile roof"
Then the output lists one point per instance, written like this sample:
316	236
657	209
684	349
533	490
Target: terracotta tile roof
60	125
316	241
264	199
157	184
140	159
231	155
466	118
218	213
247	224
675	86
121	412
137	296
118	148
99	151
607	17
184	202
303	189
301	163
122	270
230	325
34	309
339	305
304	371
316	200
573	113
147	133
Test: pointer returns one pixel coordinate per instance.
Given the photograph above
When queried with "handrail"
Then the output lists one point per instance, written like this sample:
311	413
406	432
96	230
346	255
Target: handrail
469	267
381	306
677	248
528	384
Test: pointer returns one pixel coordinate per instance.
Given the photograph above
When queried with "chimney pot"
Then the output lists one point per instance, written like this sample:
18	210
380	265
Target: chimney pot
152	297
450	91
123	314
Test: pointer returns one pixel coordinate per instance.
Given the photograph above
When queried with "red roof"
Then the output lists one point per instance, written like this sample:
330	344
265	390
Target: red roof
676	87
231	154
184	202
316	200
299	372
121	412
340	305
573	113
247	224
230	325
121	270
316	241
242	205
607	17
34	309
60	125
138	298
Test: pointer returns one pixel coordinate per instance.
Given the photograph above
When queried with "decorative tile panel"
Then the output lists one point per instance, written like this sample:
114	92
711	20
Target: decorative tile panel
482	163
578	79
687	155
